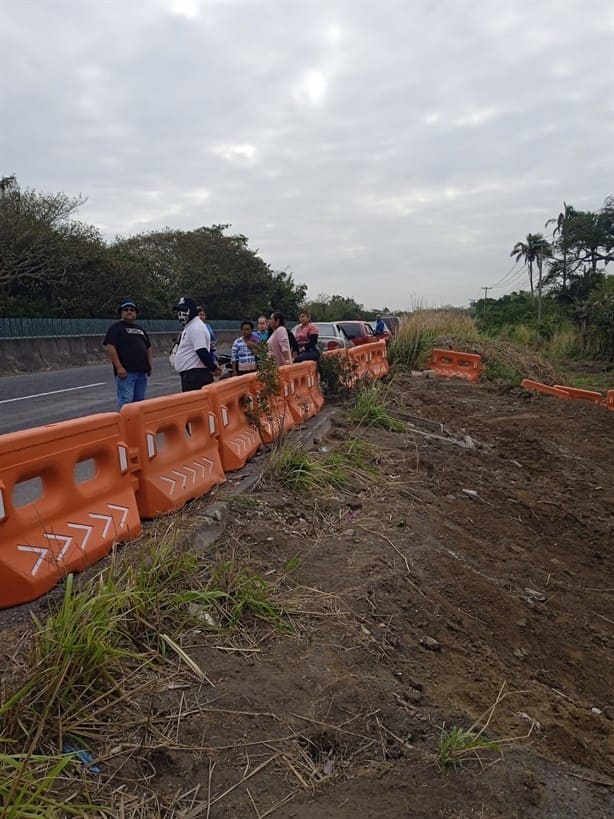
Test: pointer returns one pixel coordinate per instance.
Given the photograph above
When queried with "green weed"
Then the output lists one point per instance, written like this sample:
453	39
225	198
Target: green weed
27	784
370	409
244	592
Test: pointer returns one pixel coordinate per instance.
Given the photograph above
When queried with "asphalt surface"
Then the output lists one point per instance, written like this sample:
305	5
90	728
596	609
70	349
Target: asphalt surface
35	399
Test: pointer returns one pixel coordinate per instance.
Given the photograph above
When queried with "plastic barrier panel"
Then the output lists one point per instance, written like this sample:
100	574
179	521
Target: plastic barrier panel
173	449
536	386
273	412
582	395
66	497
359	355
238	440
377	360
609	401
301	384
453	363
346	365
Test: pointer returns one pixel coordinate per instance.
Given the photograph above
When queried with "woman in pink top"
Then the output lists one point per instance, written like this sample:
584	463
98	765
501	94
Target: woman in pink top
279	343
307	338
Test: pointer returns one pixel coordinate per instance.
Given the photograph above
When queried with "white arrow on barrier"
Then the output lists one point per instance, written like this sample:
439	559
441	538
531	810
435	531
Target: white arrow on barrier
201	467
208	461
88	531
193	471
184	478
123	510
38	550
106	518
171	481
67	541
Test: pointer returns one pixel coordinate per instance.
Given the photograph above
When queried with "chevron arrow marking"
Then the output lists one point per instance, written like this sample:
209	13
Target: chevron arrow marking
67	541
184	478
201	467
88	531
193	471
38	550
123	510
106	518
171	481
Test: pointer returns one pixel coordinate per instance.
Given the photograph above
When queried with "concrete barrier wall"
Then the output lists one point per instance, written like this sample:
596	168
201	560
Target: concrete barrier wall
18	355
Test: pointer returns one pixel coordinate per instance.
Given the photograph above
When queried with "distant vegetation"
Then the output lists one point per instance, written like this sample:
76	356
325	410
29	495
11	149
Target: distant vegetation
52	265
569	308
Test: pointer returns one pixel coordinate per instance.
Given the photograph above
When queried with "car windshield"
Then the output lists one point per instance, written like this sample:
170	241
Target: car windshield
325	329
352	329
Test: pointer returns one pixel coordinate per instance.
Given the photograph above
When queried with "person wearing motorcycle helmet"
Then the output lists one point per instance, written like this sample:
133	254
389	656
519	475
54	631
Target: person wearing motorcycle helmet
194	360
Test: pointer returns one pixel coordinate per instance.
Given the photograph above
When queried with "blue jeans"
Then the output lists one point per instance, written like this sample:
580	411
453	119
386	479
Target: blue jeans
131	388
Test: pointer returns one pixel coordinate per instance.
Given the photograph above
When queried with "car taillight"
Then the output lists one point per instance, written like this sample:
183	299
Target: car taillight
333	345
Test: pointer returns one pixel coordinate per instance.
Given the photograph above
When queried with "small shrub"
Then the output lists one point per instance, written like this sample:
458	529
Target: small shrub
370	410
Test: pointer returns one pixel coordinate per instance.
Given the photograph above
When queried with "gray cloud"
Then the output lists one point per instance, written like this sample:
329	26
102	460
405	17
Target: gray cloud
392	152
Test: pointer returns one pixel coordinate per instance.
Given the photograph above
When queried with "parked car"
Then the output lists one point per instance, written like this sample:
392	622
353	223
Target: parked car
387	335
358	332
330	336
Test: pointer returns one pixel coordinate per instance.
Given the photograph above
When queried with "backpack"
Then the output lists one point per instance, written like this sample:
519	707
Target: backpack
293	341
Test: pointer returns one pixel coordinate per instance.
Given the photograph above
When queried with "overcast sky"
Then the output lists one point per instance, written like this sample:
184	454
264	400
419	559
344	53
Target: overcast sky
389	150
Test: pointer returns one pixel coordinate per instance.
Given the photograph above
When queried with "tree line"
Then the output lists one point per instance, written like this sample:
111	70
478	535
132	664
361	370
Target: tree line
567	277
53	265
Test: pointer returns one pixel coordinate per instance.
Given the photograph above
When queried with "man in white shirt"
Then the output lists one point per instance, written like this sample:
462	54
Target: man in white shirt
194	360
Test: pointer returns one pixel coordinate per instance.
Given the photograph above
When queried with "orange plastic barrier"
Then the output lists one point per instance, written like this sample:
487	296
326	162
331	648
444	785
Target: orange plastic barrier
585	395
453	363
301	388
173	449
238	440
377	360
609	401
273	412
360	355
528	384
66	497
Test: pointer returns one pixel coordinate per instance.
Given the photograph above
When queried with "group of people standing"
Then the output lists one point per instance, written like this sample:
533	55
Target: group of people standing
129	348
283	346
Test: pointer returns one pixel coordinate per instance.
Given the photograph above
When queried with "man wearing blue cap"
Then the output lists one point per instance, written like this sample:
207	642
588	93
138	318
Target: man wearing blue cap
129	349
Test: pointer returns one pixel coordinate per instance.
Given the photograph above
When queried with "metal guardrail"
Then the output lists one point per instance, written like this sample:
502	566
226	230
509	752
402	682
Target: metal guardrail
51	327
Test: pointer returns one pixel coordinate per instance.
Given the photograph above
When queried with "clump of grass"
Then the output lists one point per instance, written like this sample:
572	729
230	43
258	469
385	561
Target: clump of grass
305	473
27	786
370	409
244	592
458	746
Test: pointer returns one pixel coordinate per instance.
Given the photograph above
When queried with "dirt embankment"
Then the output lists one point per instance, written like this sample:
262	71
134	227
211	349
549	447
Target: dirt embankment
467	563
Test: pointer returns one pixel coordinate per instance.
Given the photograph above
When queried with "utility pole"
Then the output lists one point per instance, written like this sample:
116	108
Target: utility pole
485	289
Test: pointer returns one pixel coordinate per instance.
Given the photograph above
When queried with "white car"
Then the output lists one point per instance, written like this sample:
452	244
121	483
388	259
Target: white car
330	335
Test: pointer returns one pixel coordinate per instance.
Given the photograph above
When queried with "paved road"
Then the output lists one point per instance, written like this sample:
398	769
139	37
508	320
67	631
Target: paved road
34	399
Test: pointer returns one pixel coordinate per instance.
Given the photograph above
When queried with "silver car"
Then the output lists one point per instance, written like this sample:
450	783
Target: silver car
330	335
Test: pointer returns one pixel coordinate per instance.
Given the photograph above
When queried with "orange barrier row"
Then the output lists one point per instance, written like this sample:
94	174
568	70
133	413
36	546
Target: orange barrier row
72	521
565	392
536	386
145	461
582	395
451	363
173	448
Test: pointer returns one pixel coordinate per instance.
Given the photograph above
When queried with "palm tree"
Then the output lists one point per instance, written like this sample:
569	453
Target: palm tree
534	249
561	225
528	251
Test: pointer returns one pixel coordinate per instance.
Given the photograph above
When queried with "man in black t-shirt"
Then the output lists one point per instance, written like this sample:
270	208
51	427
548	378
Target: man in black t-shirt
129	349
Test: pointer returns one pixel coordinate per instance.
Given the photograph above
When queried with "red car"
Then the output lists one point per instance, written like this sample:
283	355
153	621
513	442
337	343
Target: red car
358	332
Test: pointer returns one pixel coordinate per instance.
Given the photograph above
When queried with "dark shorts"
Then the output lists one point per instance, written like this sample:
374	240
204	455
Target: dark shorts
195	379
